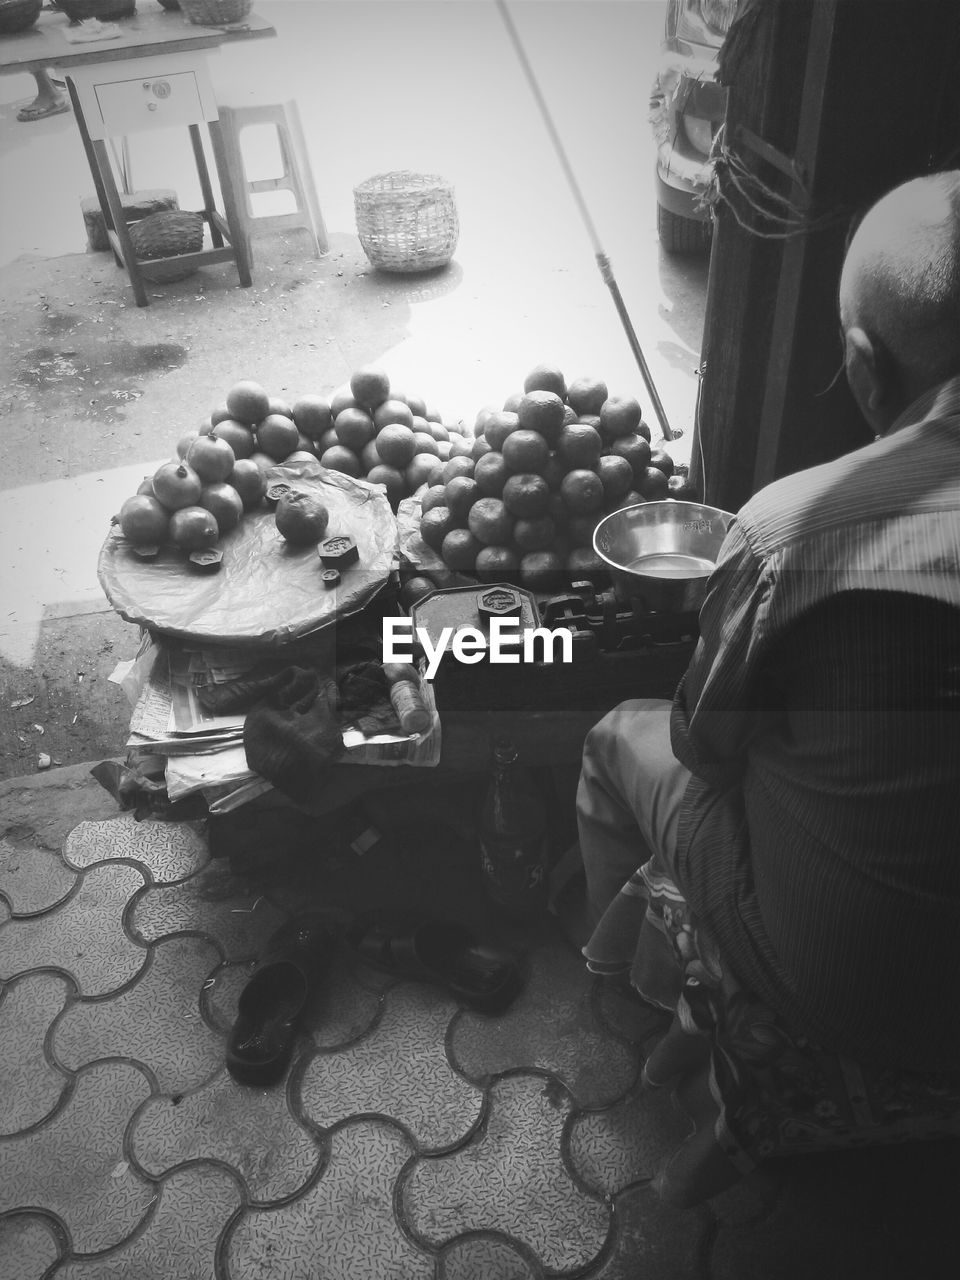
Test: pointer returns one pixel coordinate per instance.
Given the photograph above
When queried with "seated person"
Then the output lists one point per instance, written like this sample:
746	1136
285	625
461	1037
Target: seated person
794	813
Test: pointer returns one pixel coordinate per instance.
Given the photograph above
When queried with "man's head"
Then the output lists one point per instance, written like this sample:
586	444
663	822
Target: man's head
900	297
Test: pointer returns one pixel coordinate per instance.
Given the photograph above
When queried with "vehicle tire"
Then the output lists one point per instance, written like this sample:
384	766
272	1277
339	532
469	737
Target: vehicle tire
682	235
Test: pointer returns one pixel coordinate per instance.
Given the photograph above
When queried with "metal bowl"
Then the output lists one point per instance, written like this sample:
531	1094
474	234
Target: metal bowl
661	554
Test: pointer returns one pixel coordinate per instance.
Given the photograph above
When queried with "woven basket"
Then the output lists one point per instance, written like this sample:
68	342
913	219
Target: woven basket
406	221
164	235
80	10
215	13
18	15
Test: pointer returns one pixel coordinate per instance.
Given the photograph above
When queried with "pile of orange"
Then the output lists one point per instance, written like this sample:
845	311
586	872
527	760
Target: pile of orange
541	473
389	438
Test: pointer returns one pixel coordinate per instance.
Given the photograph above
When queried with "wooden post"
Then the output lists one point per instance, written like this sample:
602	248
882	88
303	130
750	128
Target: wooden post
832	102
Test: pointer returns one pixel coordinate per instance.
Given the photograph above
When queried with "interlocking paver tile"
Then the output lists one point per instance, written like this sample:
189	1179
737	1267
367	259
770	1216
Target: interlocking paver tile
344	1227
552	1026
32	879
28	1247
511	1178
84	936
249	1129
30	1087
74	1166
488	1257
400	1071
626	1141
212	903
181	1236
653	1242
157	1021
344	1008
170	850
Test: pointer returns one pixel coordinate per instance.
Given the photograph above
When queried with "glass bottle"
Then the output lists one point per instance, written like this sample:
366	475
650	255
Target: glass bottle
513	836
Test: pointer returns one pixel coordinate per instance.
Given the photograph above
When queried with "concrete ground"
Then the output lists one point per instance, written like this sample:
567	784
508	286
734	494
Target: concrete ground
410	1137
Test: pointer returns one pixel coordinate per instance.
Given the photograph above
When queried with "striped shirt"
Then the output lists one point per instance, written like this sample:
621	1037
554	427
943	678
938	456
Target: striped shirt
820	717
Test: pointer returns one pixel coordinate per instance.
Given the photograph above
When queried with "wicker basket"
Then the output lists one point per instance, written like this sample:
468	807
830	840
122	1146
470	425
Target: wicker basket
164	235
80	10
406	221
215	13
18	15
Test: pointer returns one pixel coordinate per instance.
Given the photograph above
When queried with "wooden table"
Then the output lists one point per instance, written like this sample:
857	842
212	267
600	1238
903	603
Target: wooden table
152	75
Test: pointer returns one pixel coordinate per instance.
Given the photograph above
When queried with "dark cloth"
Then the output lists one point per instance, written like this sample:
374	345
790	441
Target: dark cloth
820	718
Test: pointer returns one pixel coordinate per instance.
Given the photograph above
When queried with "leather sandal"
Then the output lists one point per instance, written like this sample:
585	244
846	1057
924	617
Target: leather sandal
273	1001
441	953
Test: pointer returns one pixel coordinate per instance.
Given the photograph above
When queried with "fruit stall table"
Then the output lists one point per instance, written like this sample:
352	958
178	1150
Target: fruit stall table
151	73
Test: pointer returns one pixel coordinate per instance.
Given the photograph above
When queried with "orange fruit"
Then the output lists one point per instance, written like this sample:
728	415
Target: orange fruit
653	484
239	437
661	459
248	402
461	447
569	415
460	550
394	481
220	414
483	417
392	411
424	469
457	467
536	534
369	386
300	455
526	495
342	399
545	377
582	492
512	403
416	404
490	472
542	411
415	588
249	481
526	451
301	518
555	470
541	571
306	445
224	504
193	528
144	520
461	493
396	445
443	450
340	458
211	458
327	441
435	524
176	485
644	430
579	445
587	395
631	499
434	495
426	444
499	426
279	405
497	564
354	428
619	416
277	435
263	460
479	447
490	522
616	476
312	415
436	429
636	450
184	443
369	457
579	530
583	562
146	486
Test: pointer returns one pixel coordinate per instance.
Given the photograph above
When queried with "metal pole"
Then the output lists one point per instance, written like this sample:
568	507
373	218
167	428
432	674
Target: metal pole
603	262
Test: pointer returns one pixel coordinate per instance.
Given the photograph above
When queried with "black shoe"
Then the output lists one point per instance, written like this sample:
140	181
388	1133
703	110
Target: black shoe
273	1001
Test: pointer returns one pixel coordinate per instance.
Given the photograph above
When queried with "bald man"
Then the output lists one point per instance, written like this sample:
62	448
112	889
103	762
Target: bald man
795	814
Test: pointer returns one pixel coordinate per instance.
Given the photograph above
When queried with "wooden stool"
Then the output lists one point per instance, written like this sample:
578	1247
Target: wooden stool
296	175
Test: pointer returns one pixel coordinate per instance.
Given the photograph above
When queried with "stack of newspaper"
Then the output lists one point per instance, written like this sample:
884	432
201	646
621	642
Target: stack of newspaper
203	751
